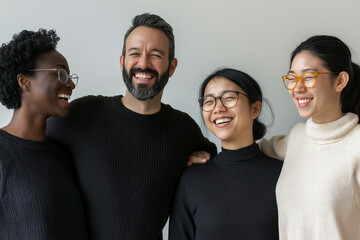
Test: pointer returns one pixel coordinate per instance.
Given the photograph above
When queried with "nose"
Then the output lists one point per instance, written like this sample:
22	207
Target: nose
70	84
219	107
299	87
144	61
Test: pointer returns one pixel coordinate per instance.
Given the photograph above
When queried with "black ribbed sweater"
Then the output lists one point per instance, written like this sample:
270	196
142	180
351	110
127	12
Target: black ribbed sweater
39	199
128	164
230	197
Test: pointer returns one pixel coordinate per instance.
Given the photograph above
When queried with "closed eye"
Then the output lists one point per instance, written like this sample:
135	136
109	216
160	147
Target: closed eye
208	102
156	56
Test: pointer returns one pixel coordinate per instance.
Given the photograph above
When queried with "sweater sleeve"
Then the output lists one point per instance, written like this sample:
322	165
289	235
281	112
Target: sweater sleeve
2	177
357	185
64	130
275	147
202	144
60	129
182	226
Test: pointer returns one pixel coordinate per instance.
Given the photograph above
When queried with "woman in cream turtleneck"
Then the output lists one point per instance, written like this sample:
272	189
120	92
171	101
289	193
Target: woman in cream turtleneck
318	192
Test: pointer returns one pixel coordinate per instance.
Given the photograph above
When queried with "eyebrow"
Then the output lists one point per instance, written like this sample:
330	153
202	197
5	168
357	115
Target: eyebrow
158	50
304	70
225	91
61	66
152	50
133	49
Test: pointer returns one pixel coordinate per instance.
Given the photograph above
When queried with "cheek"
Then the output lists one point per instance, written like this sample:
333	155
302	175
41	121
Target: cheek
129	63
42	87
291	92
206	116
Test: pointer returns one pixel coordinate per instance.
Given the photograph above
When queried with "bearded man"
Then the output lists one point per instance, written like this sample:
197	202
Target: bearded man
129	151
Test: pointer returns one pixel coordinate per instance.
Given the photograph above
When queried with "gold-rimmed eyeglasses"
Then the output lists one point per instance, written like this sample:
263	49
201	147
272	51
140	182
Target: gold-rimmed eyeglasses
307	79
63	76
228	99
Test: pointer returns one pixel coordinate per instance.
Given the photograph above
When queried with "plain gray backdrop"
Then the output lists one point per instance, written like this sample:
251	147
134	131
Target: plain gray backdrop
256	37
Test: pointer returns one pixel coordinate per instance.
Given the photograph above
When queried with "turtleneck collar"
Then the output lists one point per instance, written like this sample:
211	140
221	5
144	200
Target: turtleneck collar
247	156
333	131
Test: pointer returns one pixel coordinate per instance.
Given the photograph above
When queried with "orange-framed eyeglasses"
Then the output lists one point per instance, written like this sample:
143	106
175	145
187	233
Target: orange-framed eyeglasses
307	79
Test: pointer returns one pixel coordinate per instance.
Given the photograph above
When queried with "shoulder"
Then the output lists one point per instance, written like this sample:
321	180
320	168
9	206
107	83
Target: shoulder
353	139
91	101
298	128
85	106
356	132
200	170
177	114
273	162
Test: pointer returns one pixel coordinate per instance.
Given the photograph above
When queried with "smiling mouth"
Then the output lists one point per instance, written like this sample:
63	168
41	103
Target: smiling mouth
144	76
64	97
222	121
306	100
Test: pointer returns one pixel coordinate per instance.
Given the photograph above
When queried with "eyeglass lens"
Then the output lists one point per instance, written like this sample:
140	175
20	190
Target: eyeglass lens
64	77
228	99
308	79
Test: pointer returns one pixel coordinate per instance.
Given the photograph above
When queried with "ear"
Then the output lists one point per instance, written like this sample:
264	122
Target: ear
121	62
255	109
23	82
341	81
173	66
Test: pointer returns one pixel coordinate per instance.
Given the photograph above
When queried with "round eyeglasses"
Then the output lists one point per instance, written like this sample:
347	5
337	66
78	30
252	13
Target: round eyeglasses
228	99
63	76
307	79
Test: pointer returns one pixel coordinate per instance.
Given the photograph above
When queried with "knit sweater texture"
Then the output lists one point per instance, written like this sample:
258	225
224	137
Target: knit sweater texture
128	163
319	187
230	197
39	199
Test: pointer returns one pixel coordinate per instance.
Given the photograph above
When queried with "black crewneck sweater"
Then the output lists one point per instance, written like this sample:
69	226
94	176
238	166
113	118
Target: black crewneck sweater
128	164
230	197
39	198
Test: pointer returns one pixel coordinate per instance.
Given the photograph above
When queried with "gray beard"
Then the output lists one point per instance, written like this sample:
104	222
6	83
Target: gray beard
142	92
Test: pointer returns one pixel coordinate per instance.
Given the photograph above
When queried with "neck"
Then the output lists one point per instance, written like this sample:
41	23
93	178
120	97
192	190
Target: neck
29	127
331	117
145	107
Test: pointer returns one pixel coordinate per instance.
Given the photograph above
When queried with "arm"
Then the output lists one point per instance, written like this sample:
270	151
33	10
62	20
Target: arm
204	152
357	185
198	157
56	129
64	130
182	226
275	147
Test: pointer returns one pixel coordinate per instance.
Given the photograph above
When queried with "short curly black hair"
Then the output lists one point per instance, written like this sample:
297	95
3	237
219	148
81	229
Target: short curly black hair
19	56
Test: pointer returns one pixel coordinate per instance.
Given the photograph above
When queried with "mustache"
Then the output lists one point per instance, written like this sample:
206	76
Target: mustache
146	70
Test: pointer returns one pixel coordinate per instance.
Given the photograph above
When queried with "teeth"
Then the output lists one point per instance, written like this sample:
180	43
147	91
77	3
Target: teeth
304	100
64	96
223	120
143	76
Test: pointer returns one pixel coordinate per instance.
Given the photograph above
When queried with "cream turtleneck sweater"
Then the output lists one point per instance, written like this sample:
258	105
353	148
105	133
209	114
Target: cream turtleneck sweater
318	192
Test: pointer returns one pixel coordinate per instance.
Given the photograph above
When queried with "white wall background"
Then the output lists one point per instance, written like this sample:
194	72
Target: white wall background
256	36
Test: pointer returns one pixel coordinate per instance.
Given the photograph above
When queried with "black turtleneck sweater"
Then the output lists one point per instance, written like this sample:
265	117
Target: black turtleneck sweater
39	199
128	164
230	197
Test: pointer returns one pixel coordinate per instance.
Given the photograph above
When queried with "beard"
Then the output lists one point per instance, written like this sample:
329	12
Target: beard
142	92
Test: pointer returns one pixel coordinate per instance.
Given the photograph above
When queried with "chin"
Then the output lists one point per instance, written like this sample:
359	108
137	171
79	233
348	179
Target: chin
223	137
304	114
62	114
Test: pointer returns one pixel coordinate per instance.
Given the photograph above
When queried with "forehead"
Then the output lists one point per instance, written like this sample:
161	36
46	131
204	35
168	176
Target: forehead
149	38
306	60
52	59
218	85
